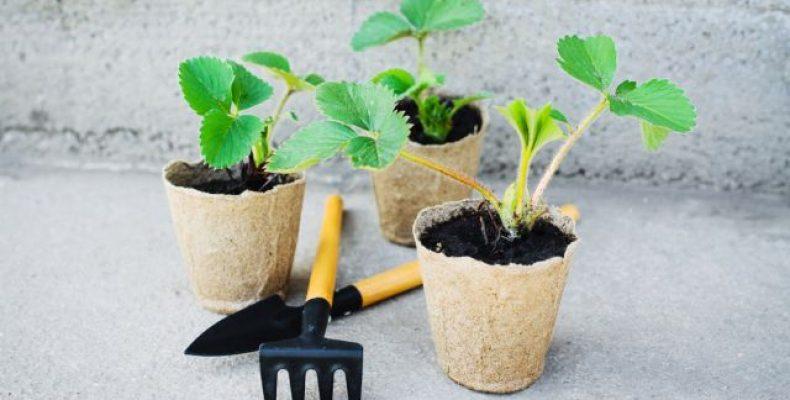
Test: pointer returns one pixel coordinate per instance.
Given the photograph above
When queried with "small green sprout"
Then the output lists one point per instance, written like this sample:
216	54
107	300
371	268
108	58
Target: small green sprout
362	125
535	129
220	90
418	20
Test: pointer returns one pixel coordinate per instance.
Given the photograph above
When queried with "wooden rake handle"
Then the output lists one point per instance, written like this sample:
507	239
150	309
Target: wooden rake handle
322	277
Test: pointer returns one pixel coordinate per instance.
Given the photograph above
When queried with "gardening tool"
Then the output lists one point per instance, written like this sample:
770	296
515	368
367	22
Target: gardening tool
271	319
311	350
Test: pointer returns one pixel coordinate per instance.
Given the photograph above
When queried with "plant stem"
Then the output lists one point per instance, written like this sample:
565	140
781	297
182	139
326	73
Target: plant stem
276	116
566	147
455	175
420	55
258	151
261	150
521	183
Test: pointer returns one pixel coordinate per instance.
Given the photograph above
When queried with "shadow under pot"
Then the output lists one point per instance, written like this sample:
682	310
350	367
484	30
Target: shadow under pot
492	302
237	244
403	189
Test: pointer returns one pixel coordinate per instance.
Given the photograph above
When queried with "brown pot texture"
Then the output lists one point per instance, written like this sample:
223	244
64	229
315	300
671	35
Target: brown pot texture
491	324
237	249
404	188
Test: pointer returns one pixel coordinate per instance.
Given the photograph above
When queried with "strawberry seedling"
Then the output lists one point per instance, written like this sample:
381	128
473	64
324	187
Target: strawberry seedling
363	125
222	92
418	20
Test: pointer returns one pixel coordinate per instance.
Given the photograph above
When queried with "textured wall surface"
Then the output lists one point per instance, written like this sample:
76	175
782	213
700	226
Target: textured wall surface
93	83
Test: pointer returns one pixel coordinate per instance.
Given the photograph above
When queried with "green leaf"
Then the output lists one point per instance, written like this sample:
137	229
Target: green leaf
427	80
380	28
653	136
430	78
459	103
363	153
658	102
557	115
535	128
225	140
309	146
370	107
278	66
441	15
381	148
625	87
269	60
206	83
366	106
436	115
248	90
592	60
314	79
436	118
397	79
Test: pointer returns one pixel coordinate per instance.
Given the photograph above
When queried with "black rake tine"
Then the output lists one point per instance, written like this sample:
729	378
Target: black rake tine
269	383
354	382
326	380
297	376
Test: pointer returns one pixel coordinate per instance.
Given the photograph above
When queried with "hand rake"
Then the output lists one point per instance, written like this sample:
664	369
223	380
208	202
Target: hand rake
311	350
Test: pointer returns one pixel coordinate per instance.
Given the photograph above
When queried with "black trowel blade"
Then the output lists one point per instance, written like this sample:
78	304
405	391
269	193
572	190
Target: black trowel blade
244	331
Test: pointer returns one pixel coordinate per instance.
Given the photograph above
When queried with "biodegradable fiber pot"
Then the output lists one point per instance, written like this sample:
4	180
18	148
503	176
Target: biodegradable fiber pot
403	189
237	248
491	324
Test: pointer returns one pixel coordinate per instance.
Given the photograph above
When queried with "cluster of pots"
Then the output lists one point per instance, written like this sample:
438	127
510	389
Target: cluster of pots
238	249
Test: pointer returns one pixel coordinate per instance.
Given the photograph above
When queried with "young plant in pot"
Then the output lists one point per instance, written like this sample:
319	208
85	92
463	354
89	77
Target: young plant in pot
236	222
493	270
445	128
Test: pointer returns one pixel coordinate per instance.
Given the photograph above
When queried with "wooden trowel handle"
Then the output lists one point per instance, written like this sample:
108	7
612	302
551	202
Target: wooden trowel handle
322	277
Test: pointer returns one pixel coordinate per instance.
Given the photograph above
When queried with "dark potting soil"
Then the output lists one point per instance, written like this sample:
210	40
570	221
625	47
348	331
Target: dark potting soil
237	186
479	234
235	180
465	122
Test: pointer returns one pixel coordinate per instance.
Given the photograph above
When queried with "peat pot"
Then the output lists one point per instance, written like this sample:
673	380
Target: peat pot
491	324
237	248
404	188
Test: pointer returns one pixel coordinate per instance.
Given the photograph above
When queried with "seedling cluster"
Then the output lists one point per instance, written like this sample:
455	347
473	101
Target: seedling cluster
222	91
362	123
418	20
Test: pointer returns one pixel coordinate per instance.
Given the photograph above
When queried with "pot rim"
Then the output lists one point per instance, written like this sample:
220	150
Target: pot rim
478	134
564	223
299	181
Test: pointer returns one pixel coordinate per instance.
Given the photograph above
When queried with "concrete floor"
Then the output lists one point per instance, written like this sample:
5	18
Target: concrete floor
673	295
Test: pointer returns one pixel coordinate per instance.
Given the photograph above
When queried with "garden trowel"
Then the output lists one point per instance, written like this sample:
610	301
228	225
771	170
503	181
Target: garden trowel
271	319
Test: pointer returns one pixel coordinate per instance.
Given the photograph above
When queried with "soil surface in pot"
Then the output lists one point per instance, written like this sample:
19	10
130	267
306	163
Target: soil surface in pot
479	234
466	121
234	180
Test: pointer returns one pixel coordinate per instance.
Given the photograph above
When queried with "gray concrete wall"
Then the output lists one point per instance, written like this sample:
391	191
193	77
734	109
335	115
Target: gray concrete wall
93	83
